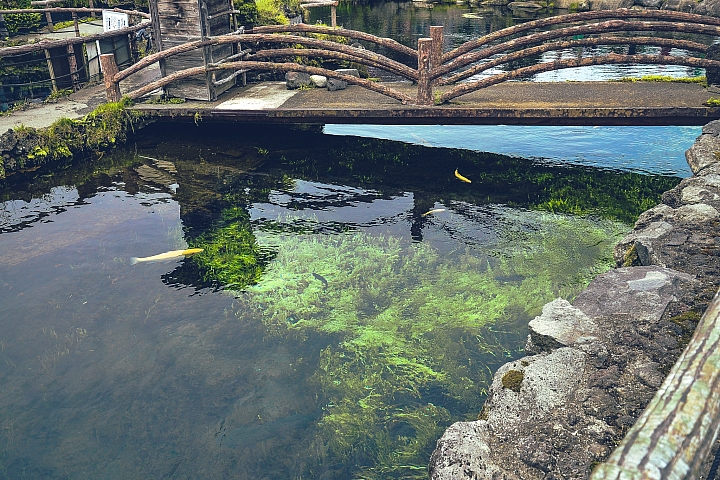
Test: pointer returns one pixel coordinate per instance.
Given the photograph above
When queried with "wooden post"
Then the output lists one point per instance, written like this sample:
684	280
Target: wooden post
3	28
51	69
110	69
48	17
72	62
675	433
436	33
424	96
333	16
77	25
91	5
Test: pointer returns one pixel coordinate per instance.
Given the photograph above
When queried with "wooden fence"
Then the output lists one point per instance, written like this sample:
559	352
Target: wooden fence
443	76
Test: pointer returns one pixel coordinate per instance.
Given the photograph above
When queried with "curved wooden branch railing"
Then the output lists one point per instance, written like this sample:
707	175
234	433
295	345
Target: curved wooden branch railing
609	59
595	28
303	28
356	54
381	62
437	68
269	66
675	433
622	13
564	45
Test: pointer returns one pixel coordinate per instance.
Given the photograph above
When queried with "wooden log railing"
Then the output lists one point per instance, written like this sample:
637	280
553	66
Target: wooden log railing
430	68
675	433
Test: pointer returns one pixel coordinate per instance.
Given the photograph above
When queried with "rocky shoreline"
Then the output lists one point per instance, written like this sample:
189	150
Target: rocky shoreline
593	365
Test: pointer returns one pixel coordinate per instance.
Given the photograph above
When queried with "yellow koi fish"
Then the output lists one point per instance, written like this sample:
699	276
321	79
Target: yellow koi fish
434	210
460	177
162	257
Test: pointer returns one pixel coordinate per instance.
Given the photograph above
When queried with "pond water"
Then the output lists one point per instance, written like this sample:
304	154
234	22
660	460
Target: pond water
407	21
352	300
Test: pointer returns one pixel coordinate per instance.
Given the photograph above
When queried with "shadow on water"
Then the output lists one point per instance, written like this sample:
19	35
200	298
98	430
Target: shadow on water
353	299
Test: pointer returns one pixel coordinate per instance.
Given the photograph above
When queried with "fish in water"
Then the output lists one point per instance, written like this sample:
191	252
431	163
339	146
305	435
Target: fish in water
460	177
162	257
321	278
434	210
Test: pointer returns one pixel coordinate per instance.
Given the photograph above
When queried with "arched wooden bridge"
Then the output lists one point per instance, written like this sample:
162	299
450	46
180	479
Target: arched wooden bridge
429	66
452	86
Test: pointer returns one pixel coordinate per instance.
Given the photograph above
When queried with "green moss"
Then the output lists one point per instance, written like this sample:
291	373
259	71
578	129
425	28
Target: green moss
513	380
712	102
631	258
105	127
664	78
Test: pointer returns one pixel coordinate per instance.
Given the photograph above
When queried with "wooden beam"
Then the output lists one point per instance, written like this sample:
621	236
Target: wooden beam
675	433
51	70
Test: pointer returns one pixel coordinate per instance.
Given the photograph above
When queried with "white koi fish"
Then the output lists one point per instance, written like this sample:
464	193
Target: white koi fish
171	255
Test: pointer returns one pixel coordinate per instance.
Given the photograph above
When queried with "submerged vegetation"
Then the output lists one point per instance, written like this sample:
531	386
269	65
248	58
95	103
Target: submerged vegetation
409	331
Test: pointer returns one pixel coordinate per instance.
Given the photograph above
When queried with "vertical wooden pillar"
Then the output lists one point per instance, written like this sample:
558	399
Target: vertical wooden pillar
91	4
77	25
424	96
4	33
436	33
72	62
51	69
110	69
333	16
48	18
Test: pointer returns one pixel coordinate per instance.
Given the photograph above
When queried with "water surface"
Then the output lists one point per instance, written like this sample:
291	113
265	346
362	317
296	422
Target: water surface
353	299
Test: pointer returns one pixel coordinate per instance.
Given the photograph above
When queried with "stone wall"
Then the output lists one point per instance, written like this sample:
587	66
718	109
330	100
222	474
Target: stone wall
593	365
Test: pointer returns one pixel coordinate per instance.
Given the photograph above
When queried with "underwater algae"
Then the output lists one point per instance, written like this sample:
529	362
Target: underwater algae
408	330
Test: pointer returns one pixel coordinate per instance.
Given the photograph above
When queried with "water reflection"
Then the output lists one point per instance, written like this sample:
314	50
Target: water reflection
371	327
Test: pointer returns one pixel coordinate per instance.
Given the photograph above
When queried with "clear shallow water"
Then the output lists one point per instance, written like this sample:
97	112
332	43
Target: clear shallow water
371	327
653	150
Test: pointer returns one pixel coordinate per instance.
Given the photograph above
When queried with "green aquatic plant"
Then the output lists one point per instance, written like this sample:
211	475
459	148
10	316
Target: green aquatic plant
409	329
231	256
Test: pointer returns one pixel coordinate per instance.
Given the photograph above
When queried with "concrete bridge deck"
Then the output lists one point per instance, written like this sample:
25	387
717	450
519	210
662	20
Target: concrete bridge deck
510	103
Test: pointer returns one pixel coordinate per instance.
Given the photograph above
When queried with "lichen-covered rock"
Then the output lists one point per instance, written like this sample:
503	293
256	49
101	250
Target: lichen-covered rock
319	81
582	390
703	152
708	7
295	80
334	84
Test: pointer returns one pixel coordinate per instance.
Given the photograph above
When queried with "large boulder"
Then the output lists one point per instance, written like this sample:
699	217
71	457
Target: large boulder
592	367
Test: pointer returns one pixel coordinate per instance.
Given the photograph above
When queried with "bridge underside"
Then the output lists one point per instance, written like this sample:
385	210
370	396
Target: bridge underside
512	103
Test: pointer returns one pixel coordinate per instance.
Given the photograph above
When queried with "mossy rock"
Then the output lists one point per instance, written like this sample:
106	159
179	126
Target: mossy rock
513	380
